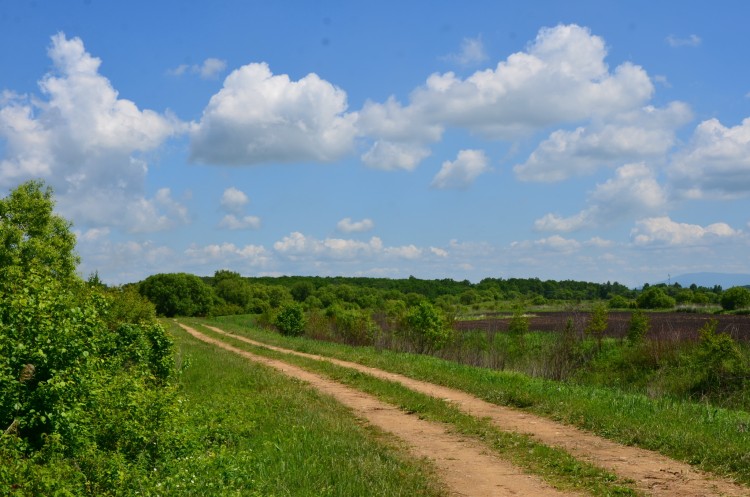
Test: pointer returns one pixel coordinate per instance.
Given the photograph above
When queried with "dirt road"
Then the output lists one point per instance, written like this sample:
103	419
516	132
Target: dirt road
466	467
653	473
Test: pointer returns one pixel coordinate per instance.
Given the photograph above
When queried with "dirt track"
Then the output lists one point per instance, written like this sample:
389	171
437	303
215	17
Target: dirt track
466	467
653	473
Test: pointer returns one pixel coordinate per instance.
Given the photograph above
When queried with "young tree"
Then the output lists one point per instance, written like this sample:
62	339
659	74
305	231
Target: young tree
32	238
598	323
427	327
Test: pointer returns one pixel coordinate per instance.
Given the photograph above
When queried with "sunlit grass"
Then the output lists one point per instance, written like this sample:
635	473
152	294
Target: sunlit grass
260	433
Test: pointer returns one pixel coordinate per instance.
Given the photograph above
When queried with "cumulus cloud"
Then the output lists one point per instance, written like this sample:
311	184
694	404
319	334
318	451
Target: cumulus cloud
555	243
297	246
439	252
227	253
462	172
560	78
346	225
209	69
258	117
472	52
232	222
633	190
234	200
716	162
665	231
87	143
639	134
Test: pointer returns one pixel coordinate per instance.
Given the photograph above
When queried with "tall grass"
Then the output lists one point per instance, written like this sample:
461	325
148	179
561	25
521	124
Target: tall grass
712	438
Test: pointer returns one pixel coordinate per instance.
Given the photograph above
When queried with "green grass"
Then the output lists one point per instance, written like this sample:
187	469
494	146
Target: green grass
556	466
713	439
258	433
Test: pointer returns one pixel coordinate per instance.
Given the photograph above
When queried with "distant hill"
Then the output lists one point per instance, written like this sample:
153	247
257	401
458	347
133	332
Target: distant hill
726	280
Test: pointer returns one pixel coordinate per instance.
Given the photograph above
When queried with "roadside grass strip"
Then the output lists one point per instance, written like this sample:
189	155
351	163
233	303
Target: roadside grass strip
557	467
709	438
259	433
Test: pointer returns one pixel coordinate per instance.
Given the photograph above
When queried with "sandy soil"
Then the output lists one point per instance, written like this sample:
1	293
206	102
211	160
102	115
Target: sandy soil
465	466
653	473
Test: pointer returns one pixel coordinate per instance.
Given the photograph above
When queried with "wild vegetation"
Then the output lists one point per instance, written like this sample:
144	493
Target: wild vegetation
96	400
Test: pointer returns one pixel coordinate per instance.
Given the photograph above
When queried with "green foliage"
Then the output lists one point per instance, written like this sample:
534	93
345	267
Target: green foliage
426	328
655	298
638	327
598	322
519	322
32	238
735	298
719	360
178	294
353	326
619	302
85	372
290	319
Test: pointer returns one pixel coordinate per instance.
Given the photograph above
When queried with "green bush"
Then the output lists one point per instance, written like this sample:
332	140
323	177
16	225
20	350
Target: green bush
735	298
290	320
178	294
87	400
426	328
655	298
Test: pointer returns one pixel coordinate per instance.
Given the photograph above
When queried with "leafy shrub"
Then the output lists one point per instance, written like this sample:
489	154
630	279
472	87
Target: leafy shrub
719	361
735	298
519	322
426	328
638	327
619	302
178	294
655	298
290	320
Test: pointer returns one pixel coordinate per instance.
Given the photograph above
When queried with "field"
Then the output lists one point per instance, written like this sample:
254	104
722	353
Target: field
675	326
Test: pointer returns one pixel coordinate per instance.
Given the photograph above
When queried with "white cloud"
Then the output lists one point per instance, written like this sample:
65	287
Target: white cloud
633	190
439	252
662	230
556	243
258	117
346	225
560	78
690	41
640	134
404	252
716	162
234	200
298	246
599	242
462	172
87	143
472	52
209	69
390	156
253	255
232	222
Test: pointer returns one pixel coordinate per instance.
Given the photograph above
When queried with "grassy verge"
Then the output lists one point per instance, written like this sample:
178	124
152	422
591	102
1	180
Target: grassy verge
556	466
259	433
713	439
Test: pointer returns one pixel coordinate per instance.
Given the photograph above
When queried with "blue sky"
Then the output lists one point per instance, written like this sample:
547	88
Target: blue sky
598	141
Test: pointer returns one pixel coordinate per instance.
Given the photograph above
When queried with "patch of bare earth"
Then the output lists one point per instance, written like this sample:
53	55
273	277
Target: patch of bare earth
652	472
465	466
